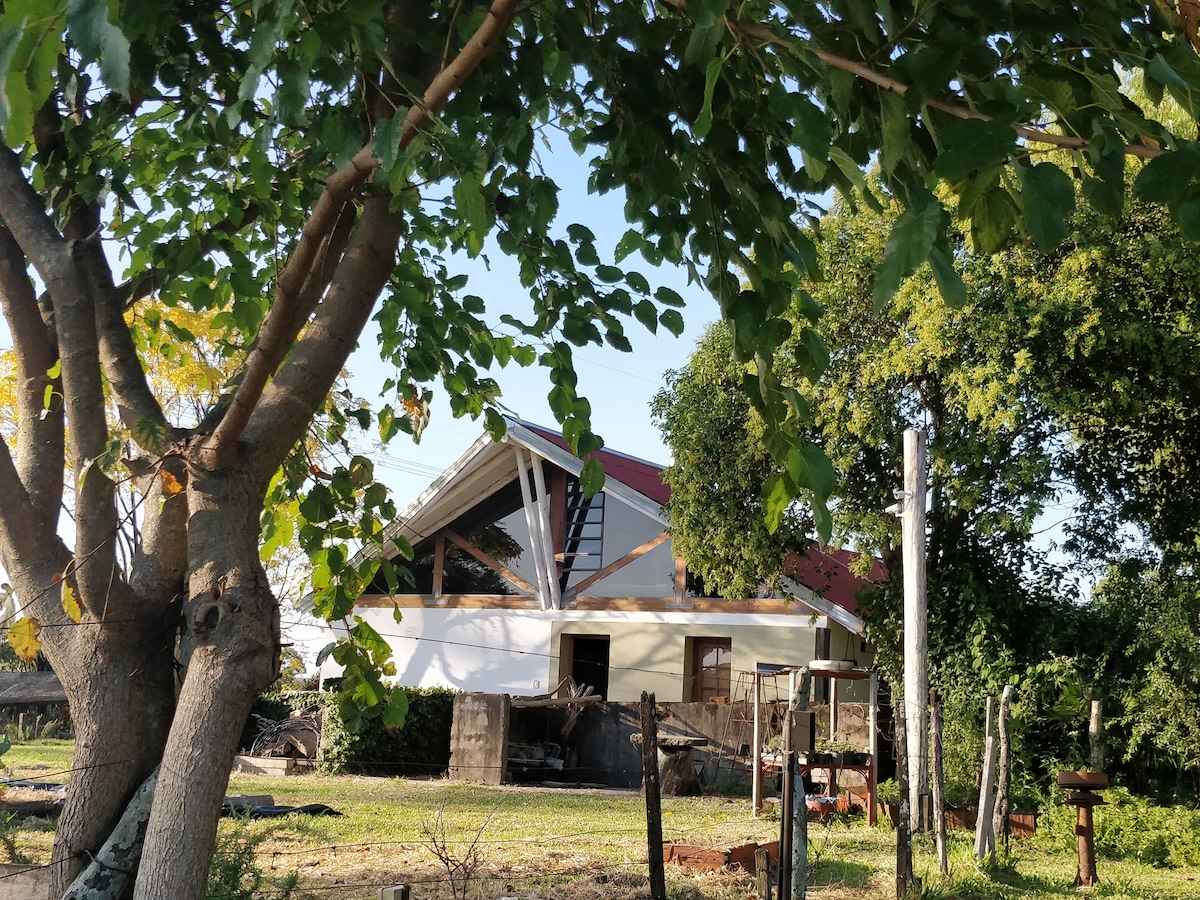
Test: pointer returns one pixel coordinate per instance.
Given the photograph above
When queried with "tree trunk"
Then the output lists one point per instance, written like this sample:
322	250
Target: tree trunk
230	643
120	724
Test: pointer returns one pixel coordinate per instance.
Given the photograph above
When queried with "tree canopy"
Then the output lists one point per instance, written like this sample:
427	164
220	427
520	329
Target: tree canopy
285	171
1032	393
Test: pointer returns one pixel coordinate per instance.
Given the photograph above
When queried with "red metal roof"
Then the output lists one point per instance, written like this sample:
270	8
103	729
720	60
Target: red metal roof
643	476
827	572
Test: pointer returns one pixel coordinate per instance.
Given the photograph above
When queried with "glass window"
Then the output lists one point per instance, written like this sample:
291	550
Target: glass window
712	661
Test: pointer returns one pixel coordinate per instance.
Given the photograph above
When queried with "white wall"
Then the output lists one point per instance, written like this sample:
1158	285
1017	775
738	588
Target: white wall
492	650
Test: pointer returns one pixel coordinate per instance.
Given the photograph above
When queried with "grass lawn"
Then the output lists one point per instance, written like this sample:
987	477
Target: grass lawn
574	844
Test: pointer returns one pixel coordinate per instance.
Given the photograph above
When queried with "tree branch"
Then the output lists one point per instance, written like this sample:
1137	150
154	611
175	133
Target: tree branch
303	382
160	561
137	406
40	439
955	107
65	270
30	552
112	870
284	322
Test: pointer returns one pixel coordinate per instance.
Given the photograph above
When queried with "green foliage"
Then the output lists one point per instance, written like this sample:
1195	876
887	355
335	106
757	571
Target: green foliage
1145	653
420	747
235	872
1127	827
717	507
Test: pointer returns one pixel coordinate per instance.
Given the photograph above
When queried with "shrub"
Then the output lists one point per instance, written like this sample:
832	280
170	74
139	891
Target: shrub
1127	827
421	747
234	873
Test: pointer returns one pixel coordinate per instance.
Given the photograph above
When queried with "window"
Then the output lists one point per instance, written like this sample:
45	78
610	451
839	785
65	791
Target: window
712	661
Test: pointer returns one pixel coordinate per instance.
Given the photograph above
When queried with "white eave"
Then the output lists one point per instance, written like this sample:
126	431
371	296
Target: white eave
825	607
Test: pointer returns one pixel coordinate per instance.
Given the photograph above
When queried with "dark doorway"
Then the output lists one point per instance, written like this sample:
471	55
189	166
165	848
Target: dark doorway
589	662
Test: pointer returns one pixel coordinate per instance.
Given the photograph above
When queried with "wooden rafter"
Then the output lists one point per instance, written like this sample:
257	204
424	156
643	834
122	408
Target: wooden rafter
521	584
625	560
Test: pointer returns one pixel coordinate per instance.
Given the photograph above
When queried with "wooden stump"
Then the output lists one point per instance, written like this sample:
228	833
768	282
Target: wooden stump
677	772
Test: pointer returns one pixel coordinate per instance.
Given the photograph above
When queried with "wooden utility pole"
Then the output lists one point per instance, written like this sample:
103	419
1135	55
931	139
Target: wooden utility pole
916	639
654	837
937	783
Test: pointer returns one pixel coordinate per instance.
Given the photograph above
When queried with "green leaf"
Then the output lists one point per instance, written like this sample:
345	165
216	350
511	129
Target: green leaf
712	74
949	282
848	167
469	199
813	131
30	44
776	497
1048	196
895	134
591	479
668	297
98	39
809	467
1188	213
705	38
908	246
993	218
631	241
396	712
646	313
672	320
1106	193
973	145
1163	179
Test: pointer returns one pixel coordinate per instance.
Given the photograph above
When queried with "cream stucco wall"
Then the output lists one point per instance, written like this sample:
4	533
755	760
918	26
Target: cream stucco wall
649	652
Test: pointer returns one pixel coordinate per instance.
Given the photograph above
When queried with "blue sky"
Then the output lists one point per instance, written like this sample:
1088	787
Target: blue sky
619	385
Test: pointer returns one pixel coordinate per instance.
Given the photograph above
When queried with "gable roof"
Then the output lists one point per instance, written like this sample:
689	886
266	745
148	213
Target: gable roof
819	578
489	465
644	477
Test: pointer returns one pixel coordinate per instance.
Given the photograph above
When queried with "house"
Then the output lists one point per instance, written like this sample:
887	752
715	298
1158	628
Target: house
521	582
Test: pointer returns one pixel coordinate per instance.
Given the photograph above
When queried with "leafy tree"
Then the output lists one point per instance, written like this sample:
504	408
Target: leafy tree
287	171
1147	654
719	466
1013	395
1114	310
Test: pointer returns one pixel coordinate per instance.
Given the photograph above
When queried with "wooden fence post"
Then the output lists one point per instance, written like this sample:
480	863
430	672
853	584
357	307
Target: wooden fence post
904	862
786	813
1000	816
799	684
1096	736
985	837
938	782
654	836
762	872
